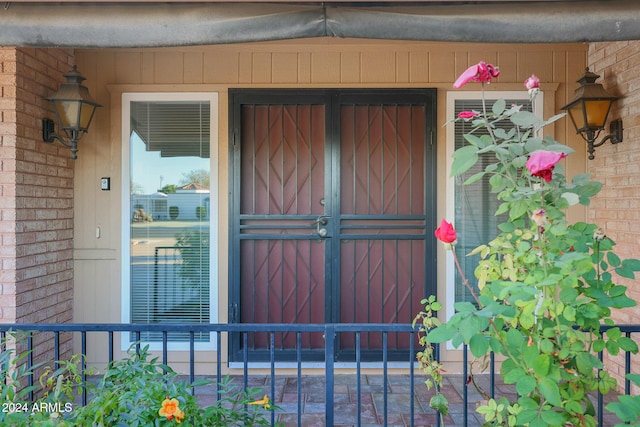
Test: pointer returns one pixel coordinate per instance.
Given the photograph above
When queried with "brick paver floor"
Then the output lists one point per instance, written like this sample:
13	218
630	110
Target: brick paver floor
372	410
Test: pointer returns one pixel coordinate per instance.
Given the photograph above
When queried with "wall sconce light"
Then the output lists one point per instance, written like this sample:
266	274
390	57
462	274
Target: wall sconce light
588	111
74	109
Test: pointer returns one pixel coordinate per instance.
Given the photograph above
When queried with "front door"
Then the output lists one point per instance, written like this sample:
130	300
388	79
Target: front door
333	200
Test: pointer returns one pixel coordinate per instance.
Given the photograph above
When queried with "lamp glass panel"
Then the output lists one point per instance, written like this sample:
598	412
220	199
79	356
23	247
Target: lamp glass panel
577	116
597	112
86	115
67	113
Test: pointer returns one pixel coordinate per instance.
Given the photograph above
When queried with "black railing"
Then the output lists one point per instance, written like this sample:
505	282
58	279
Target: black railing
331	333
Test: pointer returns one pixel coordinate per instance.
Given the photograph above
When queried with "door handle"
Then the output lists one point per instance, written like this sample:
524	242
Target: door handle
321	223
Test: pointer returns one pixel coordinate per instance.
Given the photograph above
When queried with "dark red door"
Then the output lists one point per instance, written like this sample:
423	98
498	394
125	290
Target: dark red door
333	192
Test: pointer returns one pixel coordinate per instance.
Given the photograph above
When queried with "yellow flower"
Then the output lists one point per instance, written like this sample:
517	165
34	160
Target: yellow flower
170	410
264	402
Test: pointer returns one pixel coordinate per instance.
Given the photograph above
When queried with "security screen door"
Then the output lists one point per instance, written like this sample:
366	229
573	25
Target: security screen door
332	207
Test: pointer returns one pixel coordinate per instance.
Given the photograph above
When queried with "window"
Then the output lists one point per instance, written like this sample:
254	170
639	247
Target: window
170	211
472	207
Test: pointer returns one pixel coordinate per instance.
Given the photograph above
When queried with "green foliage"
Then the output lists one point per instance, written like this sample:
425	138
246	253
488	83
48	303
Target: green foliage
130	393
132	390
627	408
545	286
201	212
57	388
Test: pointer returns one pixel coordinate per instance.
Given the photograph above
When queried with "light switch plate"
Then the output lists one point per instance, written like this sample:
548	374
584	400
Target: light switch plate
105	184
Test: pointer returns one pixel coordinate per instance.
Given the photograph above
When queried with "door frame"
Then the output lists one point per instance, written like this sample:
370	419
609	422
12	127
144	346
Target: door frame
332	98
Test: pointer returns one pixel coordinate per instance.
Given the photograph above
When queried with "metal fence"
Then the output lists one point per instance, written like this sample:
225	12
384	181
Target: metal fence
331	334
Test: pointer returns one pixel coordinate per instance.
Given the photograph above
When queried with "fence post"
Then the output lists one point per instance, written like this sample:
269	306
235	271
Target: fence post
329	347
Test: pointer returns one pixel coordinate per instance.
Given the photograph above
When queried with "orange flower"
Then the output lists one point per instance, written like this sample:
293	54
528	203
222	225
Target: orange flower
264	401
171	410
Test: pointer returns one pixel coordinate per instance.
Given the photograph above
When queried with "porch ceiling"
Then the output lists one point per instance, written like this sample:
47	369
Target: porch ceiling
156	24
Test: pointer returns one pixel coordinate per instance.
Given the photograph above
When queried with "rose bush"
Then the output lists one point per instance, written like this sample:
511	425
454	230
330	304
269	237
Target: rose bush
543	287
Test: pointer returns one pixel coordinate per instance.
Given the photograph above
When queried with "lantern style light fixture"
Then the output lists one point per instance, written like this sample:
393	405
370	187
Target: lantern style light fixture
74	109
588	111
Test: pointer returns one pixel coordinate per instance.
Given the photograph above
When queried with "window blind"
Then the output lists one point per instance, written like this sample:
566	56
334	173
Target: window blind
475	205
169	229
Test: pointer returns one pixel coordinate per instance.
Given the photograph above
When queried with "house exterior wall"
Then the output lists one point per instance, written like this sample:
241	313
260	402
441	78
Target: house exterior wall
617	207
308	63
36	199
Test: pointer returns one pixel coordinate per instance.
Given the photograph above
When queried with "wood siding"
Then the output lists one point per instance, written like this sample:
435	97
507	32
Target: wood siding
311	63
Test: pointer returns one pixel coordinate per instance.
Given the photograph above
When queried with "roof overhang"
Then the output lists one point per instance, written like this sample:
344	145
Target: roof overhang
156	24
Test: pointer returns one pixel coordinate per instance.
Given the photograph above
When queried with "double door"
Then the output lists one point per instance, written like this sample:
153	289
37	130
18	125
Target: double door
333	204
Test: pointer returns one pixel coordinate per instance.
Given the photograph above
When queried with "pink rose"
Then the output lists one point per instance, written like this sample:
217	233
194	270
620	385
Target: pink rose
446	233
481	72
467	114
532	82
541	163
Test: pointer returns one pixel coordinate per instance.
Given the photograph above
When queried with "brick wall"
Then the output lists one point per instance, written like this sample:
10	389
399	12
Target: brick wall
36	207
8	137
617	207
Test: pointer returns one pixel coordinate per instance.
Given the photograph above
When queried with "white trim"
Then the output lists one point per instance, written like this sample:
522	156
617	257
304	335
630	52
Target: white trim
452	96
127	98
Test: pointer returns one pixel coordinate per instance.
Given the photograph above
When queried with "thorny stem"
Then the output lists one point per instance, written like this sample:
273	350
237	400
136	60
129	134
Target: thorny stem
464	278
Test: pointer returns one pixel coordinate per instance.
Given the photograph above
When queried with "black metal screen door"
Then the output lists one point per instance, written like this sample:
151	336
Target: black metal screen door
333	192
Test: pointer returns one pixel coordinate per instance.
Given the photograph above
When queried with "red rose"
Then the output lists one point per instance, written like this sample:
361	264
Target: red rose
467	114
446	233
541	163
532	82
481	72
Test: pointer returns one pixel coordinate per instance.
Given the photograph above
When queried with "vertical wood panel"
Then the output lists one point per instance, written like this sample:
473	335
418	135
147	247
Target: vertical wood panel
245	64
442	67
128	67
350	67
402	67
538	63
304	67
261	67
325	67
379	67
418	67
508	62
488	56
147	68
193	67
221	67
285	67
168	67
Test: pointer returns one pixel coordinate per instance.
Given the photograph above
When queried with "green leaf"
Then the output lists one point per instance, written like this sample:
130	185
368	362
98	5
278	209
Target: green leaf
571	198
463	159
631	264
613	259
525	119
504	207
552	418
627	344
498	107
440	334
475	177
550	391
541	365
497	183
513	375
625	272
479	344
440	404
525	385
518	209
533	144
